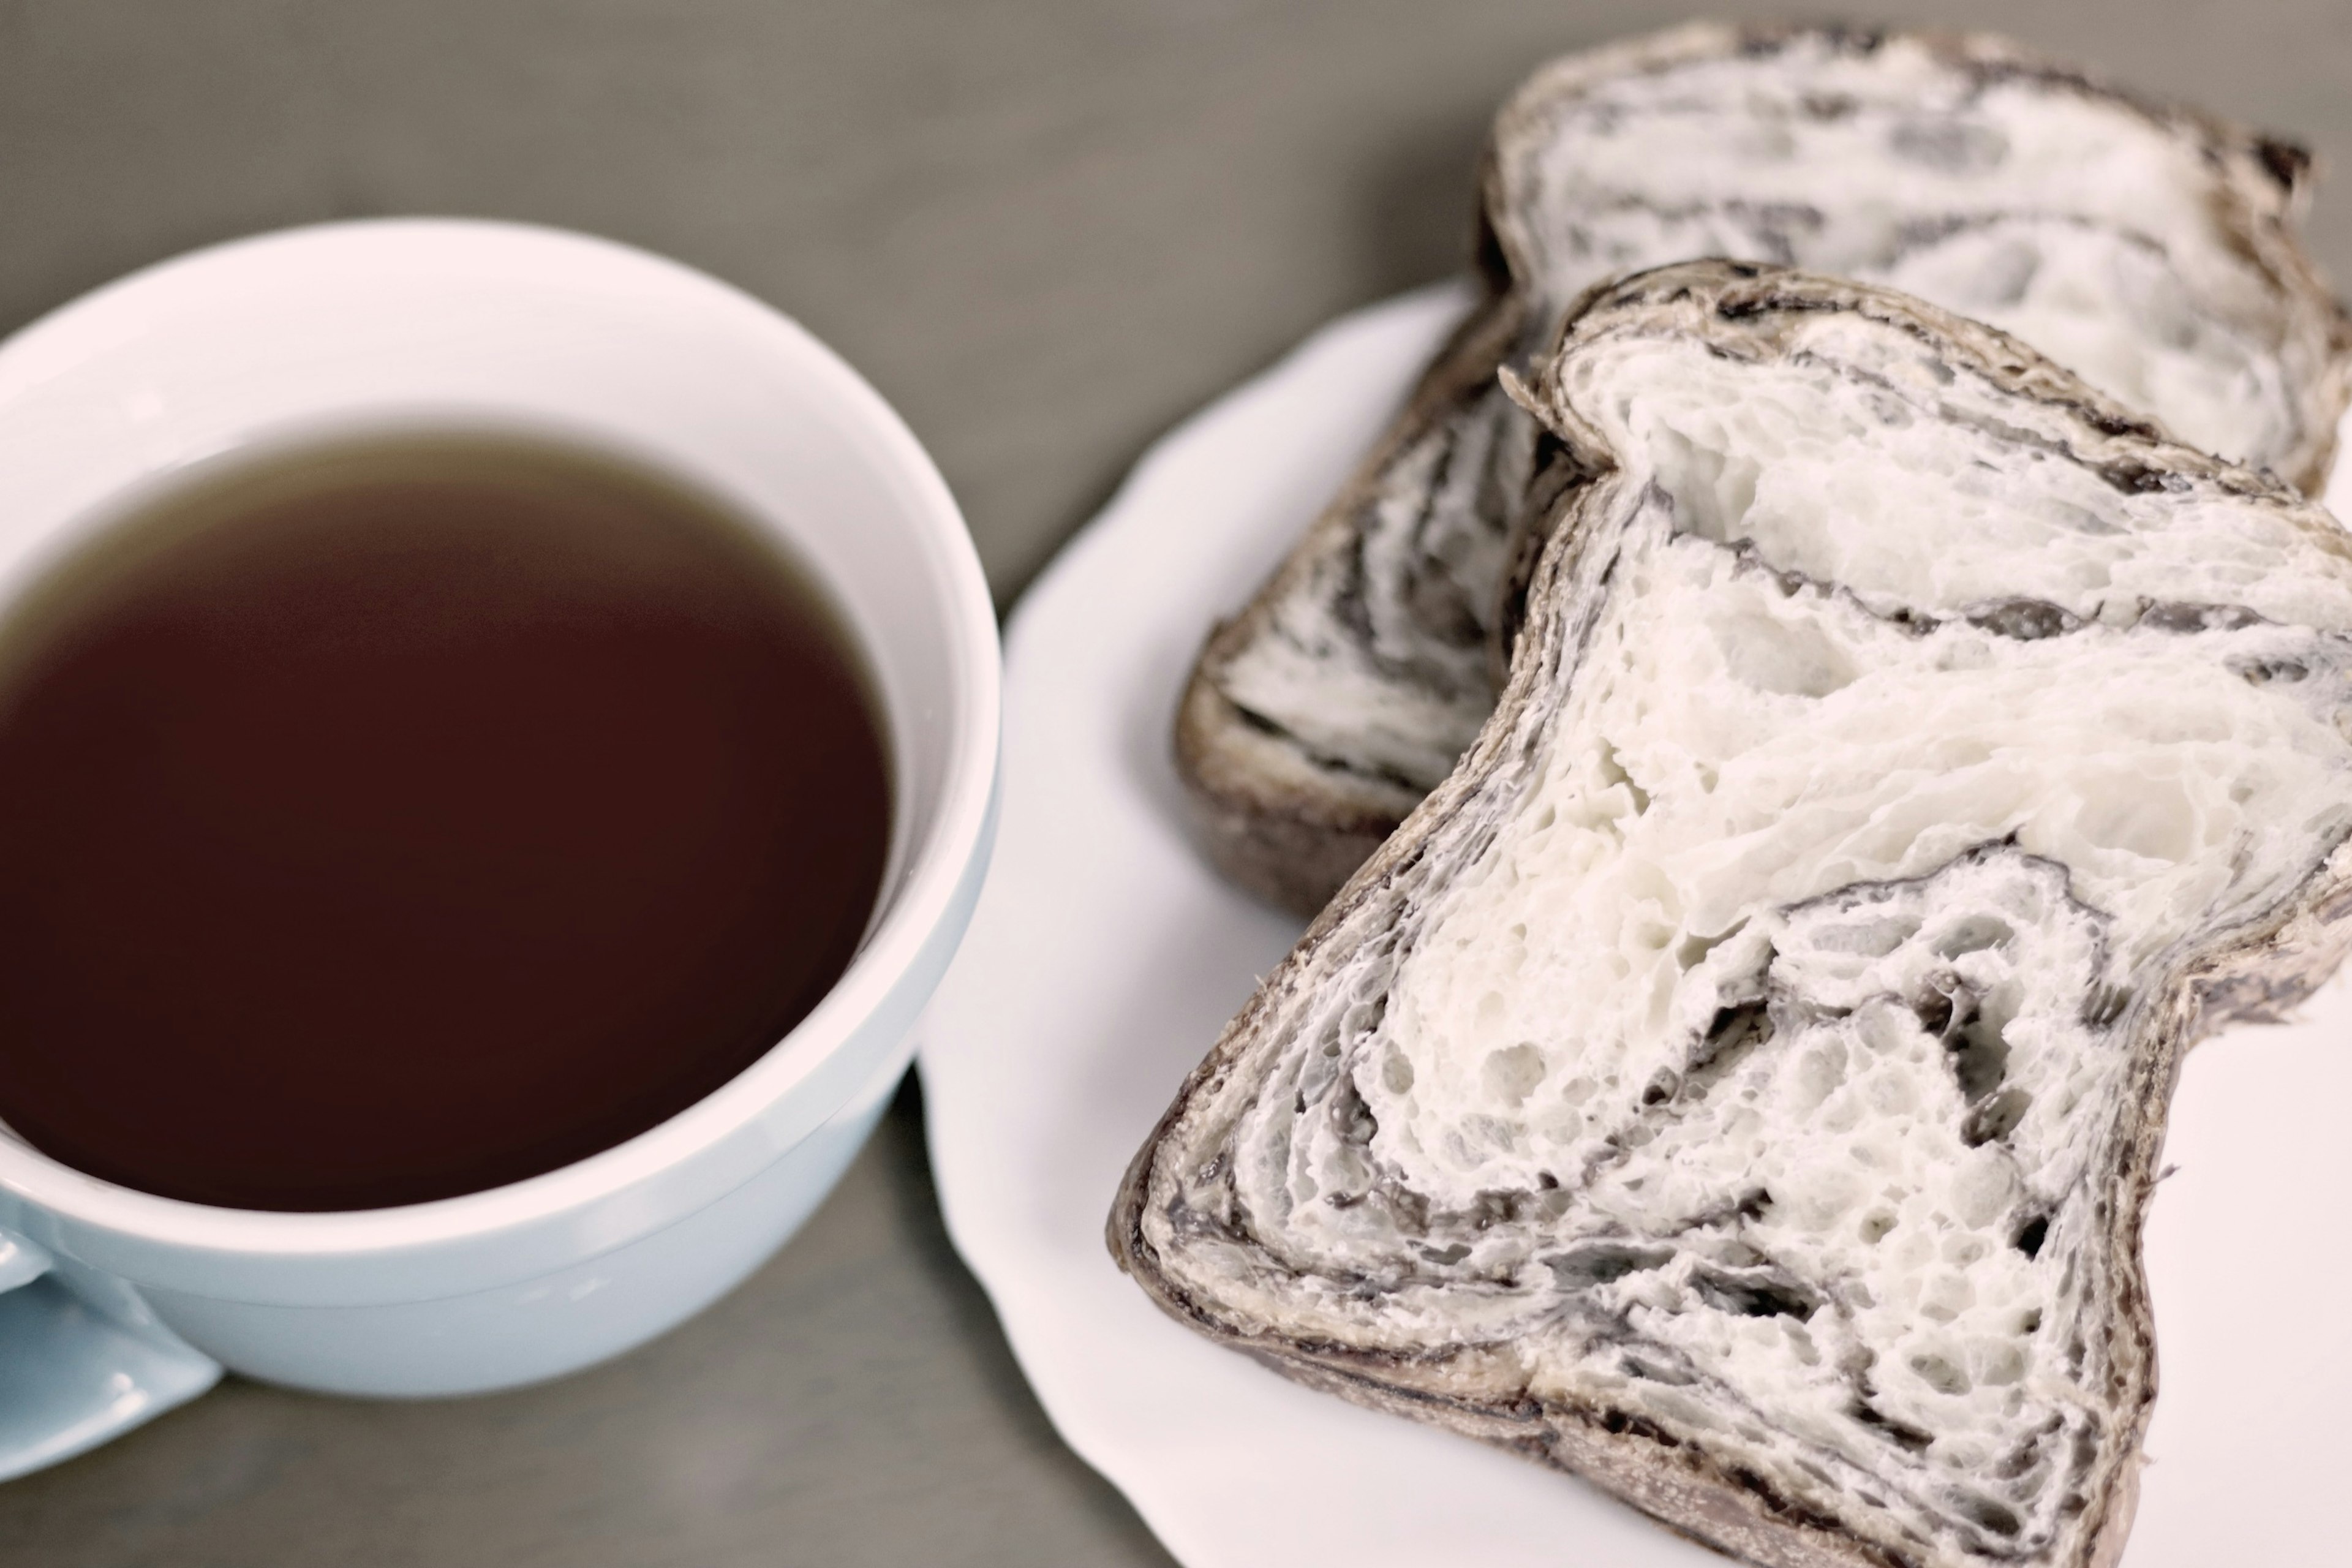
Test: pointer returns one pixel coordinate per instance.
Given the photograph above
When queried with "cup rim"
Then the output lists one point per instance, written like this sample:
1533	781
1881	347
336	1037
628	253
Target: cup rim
937	863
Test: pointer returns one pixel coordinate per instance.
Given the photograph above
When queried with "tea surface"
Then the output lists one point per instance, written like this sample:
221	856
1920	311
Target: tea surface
393	819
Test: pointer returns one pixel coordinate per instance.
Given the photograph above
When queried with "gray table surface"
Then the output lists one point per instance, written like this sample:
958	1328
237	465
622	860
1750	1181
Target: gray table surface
1045	230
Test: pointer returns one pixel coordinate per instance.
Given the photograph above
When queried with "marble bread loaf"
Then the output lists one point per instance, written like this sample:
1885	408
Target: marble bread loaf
1742	1080
2151	250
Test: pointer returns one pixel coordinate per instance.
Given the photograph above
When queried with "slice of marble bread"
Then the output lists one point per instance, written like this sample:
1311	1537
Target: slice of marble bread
1742	1080
2151	249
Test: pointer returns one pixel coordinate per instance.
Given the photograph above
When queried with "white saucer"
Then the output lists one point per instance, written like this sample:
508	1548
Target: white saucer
1105	955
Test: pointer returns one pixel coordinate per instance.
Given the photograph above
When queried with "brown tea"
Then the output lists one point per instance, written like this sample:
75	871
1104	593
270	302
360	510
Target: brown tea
390	819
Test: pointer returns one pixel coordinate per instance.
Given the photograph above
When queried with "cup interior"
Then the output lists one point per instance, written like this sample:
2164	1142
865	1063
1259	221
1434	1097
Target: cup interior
455	325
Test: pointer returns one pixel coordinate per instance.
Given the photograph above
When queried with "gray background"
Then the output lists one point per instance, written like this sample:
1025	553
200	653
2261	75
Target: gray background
1045	230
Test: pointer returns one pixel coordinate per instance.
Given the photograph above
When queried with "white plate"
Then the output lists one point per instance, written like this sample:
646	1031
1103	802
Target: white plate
1105	955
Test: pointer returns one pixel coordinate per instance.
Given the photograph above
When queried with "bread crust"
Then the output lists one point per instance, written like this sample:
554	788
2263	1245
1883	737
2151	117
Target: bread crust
1480	1390
1289	824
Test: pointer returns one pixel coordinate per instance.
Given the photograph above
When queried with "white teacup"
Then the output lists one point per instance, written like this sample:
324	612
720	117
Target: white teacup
118	1303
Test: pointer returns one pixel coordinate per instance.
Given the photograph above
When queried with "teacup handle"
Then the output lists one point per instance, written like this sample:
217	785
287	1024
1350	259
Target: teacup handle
82	1358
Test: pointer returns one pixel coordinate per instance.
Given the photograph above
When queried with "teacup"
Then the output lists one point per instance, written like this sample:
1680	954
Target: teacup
119	1303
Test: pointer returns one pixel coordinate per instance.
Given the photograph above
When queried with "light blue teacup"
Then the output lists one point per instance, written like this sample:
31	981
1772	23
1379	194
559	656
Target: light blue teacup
119	1304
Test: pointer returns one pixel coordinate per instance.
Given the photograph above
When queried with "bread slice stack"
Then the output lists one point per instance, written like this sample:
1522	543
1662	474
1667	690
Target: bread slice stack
1741	1081
2153	250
